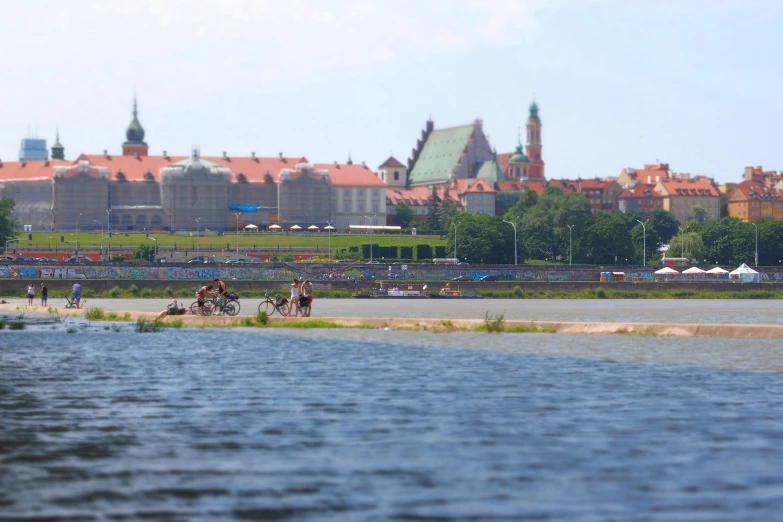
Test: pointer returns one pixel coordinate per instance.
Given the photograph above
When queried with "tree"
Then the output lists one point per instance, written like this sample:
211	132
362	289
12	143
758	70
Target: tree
651	240
607	239
544	226
433	212
770	245
448	209
689	244
724	205
6	223
404	214
664	223
482	238
728	241
527	201
700	214
144	251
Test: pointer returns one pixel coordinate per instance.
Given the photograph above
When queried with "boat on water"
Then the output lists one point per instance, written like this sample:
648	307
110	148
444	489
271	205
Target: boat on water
451	293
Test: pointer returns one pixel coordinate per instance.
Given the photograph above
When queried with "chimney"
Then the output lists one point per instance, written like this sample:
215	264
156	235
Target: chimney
364	165
336	164
136	155
225	155
657	179
46	163
649	179
22	163
280	155
105	153
165	155
253	156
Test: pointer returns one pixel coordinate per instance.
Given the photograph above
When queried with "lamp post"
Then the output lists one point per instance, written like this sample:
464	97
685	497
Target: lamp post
78	226
329	228
197	237
456	226
108	233
570	227
682	242
101	224
756	259
644	242
6	244
514	224
371	225
156	248
237	214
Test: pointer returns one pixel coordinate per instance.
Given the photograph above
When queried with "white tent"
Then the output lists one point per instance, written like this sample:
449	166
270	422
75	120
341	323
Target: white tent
251	226
744	274
274	227
329	227
667	270
694	270
717	270
313	227
296	227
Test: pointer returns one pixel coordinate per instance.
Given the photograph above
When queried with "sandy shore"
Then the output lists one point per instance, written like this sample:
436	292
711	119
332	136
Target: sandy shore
652	329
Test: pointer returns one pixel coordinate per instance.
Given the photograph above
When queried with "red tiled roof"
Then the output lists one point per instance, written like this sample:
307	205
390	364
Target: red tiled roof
255	169
503	159
356	175
638	191
708	190
537	186
481	186
510	186
392	163
418	194
29	170
748	188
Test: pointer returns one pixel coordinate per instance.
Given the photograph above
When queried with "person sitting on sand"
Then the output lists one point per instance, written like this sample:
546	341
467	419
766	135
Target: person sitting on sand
172	309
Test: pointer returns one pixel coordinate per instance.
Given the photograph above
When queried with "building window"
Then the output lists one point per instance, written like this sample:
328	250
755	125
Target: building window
347	223
347	208
375	208
347	192
361	207
396	176
361	192
334	207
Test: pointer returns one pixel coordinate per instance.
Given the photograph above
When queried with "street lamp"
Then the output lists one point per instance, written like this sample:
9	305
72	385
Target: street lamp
570	227
156	248
757	244
197	230
108	233
237	214
78	225
6	244
456	226
95	220
329	227
644	243
682	242
371	225
514	224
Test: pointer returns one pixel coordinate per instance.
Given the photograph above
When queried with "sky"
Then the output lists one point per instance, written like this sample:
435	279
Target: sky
619	84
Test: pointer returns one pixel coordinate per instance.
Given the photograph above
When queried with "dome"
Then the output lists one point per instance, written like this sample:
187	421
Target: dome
534	113
518	156
135	132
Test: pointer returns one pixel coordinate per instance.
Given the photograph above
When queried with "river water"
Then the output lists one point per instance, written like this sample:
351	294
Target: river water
379	425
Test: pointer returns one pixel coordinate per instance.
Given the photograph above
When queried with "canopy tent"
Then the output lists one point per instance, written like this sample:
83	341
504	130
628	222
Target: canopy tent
744	274
667	270
251	226
296	227
717	270
275	227
313	227
694	270
329	227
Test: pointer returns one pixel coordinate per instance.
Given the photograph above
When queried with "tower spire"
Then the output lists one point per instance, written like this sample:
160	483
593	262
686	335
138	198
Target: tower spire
58	151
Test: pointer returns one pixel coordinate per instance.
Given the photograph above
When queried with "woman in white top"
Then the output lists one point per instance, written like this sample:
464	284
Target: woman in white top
30	293
296	289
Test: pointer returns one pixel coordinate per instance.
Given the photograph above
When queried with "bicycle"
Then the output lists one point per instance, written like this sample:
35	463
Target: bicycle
231	307
270	306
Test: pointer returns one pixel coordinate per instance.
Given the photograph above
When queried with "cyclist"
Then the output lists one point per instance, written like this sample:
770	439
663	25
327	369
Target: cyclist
222	293
201	297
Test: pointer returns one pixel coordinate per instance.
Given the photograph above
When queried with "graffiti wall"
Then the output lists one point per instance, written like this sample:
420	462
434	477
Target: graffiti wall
328	272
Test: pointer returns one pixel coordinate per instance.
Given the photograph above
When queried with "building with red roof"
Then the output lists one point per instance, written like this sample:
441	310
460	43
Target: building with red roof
602	193
641	197
681	197
752	200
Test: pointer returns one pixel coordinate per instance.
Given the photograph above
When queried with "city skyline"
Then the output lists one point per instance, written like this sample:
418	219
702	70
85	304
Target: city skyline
618	85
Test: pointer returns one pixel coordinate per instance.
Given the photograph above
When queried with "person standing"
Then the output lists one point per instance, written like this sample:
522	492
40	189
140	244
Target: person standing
222	292
30	294
201	297
307	292
44	294
296	290
76	294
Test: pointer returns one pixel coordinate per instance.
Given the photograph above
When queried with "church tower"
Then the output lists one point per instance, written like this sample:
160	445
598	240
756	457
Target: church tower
58	151
534	143
135	136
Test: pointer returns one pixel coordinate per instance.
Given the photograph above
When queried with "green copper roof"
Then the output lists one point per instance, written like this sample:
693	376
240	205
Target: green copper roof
519	156
490	170
135	132
534	113
440	155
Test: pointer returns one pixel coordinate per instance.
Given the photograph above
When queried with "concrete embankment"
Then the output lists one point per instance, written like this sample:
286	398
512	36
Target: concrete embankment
749	331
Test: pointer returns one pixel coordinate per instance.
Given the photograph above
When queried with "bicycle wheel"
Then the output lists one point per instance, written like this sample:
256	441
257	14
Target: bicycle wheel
231	308
209	308
194	308
267	306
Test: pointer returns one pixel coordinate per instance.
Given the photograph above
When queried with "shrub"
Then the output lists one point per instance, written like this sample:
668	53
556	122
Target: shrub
114	293
89	292
147	326
262	317
494	323
94	314
517	292
133	290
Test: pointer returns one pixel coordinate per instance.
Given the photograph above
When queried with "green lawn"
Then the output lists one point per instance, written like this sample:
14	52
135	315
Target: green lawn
44	240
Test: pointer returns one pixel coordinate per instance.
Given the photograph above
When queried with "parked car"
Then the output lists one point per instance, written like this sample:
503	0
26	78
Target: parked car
235	262
373	262
489	277
463	263
463	278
